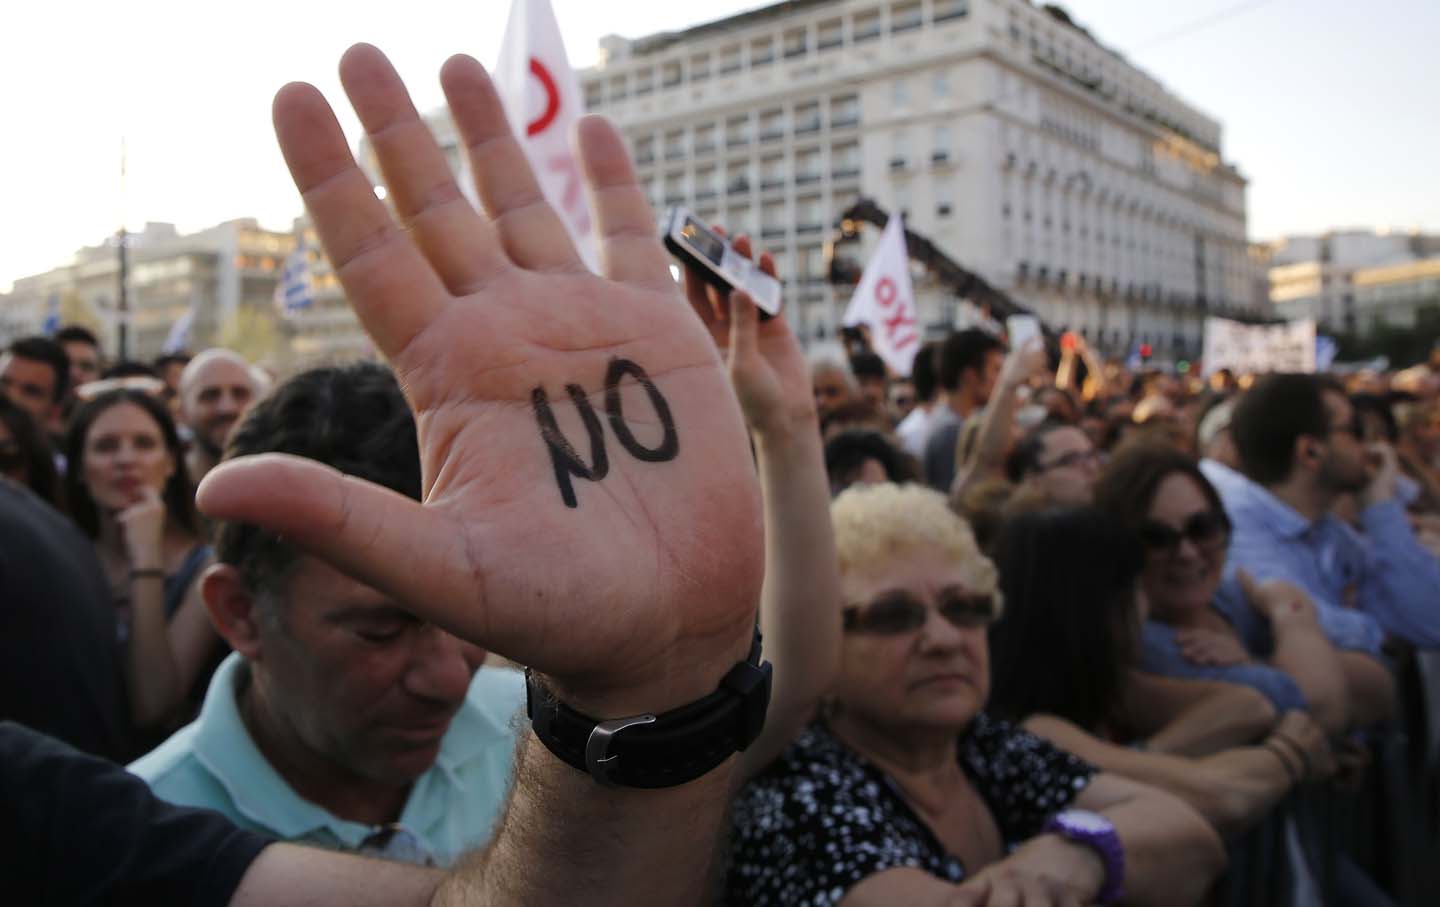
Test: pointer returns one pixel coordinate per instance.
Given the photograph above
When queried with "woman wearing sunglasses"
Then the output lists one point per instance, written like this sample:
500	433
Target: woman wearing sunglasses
906	792
1069	578
129	492
1203	624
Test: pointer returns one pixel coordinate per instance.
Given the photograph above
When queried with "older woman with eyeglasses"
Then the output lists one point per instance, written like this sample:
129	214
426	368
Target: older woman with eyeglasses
1205	623
906	792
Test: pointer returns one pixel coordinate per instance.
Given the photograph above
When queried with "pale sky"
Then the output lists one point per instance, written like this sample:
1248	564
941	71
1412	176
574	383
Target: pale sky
1329	106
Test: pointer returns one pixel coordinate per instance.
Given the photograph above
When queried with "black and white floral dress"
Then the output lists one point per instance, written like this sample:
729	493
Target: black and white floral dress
822	818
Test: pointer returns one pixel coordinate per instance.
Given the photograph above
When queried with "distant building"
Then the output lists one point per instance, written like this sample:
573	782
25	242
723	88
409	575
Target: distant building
1350	280
215	272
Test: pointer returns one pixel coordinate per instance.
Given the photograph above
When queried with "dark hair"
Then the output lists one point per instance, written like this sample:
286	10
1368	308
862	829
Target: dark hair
353	418
867	365
178	494
43	349
1070	631
1377	406
1047	393
924	372
129	370
962	351
847	452
1127	485
1272	416
1024	459
165	359
74	333
35	449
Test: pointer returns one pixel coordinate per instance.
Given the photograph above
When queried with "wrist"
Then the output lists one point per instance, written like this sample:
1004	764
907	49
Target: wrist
1075	865
784	429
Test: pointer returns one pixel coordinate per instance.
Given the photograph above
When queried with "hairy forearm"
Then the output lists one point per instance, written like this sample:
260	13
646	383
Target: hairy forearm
995	424
799	604
1303	652
564	839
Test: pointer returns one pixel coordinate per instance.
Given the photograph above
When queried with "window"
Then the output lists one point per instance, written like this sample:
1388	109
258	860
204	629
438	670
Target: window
845	160
705	182
594	94
772	125
705	138
618	90
955	9
831	34
902	93
699	67
807	214
645	149
940	152
737	177
772	219
772	171
940	86
797	41
675	145
670	74
905	16
807	165
900	150
844	110
674	188
644	81
867	26
762	51
729	59
807	117
737	130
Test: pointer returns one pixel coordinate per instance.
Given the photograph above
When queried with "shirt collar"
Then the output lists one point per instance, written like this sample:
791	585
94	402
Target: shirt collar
224	746
1285	521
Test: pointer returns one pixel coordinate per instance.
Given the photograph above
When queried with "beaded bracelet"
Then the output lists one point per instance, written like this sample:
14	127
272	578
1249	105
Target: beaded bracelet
1279	753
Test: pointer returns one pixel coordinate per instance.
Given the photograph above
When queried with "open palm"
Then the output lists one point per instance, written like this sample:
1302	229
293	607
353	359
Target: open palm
589	504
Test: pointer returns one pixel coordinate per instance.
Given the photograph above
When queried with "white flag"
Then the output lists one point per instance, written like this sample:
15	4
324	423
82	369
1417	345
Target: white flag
885	301
543	101
178	340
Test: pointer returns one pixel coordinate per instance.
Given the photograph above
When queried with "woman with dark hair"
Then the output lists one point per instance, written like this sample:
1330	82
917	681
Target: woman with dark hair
1069	579
128	490
25	454
1205	624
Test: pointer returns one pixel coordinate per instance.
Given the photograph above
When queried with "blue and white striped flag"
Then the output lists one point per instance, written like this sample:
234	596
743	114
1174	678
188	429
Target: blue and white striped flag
51	325
178	340
294	292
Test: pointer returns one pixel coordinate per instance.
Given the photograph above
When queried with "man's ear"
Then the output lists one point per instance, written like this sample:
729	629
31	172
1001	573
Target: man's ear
1308	455
232	608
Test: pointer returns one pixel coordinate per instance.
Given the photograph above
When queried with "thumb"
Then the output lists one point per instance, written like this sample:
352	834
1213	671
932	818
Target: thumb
744	322
377	536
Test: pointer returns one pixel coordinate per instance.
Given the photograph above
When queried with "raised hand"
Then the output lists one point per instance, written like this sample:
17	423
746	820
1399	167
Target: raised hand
142	526
589	504
767	367
1276	599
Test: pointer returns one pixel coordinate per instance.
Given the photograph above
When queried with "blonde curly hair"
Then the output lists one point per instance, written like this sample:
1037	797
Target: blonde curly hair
876	523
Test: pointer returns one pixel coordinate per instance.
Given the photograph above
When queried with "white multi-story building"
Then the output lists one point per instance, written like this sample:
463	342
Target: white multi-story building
1023	148
1349	280
213	273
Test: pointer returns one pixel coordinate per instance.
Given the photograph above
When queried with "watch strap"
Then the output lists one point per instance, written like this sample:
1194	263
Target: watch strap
1103	841
655	751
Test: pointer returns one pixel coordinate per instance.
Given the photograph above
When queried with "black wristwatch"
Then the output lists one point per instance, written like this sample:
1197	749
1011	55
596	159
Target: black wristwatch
653	751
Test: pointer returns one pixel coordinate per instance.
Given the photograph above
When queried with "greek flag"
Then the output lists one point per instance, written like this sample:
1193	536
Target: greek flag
179	338
293	293
51	325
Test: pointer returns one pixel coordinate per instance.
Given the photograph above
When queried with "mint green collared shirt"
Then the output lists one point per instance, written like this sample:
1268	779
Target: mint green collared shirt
214	763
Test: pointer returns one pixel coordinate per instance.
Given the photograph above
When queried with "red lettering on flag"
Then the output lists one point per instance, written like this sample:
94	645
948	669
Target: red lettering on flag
885	292
552	98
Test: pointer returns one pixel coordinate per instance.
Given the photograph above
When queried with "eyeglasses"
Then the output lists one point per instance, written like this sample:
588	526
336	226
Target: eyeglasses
1073	458
1206	530
899	612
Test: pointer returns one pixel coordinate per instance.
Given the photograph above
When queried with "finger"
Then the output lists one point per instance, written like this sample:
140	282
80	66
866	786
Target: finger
362	529
392	287
970	894
743	322
530	230
630	248
461	245
697	292
1006	894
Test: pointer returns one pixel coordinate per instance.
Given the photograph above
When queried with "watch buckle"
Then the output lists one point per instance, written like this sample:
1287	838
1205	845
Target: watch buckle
597	747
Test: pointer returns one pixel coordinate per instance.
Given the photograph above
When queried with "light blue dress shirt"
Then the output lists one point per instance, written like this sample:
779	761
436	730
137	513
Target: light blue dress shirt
452	808
1384	574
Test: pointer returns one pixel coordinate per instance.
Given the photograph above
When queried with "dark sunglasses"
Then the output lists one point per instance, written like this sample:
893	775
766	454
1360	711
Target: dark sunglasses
899	612
1206	530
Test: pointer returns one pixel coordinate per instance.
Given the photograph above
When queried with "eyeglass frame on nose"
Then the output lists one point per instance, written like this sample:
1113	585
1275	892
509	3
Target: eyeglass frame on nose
971	611
1205	540
1073	458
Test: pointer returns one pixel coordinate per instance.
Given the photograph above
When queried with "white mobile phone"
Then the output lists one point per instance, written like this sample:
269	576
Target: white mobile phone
1021	328
709	254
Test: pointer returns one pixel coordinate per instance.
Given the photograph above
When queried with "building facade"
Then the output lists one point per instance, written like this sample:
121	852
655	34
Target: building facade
1349	281
215	273
1025	149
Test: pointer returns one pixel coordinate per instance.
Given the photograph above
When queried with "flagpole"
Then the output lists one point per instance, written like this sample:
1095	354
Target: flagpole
123	308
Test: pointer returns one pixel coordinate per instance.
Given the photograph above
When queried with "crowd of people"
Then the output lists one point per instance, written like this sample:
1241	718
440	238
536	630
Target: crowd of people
1024	627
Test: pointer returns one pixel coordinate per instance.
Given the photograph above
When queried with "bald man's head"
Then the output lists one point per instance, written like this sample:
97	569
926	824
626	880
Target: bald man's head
216	389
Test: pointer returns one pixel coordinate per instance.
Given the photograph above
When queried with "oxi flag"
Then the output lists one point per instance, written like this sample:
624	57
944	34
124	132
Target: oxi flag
542	99
885	301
